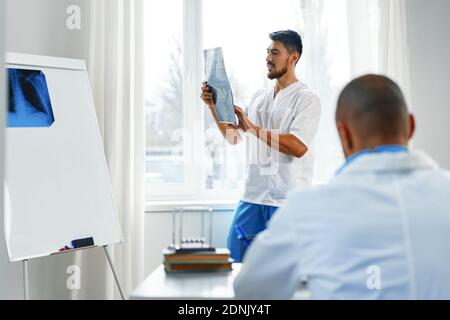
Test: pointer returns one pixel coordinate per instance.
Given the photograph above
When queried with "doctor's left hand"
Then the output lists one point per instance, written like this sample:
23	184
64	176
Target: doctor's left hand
244	122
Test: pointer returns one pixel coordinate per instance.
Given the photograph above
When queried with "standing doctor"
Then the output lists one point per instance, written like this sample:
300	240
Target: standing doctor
280	123
379	230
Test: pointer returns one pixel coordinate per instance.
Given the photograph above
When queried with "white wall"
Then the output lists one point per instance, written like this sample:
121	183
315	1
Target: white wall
39	27
8	273
429	29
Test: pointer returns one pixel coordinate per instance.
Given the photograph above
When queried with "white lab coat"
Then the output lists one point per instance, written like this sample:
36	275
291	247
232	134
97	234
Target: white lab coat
379	230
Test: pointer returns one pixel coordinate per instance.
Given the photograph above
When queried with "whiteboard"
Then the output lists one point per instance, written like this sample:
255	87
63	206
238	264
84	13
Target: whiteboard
57	182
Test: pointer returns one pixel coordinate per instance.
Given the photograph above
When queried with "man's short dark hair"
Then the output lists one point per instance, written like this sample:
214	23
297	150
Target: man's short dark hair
290	39
375	105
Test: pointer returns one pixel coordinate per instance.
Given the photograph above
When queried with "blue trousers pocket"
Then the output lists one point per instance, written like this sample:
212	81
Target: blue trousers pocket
245	239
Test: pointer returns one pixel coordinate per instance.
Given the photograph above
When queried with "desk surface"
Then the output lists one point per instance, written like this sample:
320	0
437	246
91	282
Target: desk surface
192	286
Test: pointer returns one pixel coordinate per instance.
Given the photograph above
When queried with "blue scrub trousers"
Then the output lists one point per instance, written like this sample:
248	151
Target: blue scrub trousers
249	220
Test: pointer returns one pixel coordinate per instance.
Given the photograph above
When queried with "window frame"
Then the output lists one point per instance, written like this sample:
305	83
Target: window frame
193	187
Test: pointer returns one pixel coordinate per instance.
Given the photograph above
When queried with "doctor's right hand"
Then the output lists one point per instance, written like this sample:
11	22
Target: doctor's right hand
207	95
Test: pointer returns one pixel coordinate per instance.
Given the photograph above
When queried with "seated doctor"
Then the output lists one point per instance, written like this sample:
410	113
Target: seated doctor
379	230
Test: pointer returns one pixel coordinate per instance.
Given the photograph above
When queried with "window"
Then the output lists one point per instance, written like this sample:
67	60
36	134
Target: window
186	155
164	94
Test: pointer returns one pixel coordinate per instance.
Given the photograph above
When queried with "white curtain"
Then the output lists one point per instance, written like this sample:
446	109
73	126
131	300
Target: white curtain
345	39
394	44
378	39
116	72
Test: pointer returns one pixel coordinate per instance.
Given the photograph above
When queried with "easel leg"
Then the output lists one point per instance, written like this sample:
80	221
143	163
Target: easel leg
26	289
114	272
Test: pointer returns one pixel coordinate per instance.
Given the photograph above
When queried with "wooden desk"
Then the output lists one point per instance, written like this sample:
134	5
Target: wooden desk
192	286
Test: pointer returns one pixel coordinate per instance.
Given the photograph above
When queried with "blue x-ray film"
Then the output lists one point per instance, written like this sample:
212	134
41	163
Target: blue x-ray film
216	76
29	101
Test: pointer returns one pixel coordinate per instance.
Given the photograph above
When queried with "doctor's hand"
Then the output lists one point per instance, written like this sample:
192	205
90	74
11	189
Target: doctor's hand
244	122
207	95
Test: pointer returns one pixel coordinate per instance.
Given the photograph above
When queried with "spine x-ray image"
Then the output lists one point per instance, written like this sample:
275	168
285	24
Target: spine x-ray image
216	76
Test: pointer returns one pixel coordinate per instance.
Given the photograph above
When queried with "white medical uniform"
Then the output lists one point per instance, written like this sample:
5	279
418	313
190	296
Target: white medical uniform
270	174
379	230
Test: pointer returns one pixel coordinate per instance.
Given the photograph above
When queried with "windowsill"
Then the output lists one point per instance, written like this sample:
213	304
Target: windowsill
217	205
170	205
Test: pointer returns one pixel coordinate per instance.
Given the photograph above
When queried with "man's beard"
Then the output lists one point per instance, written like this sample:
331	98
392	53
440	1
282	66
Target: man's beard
277	74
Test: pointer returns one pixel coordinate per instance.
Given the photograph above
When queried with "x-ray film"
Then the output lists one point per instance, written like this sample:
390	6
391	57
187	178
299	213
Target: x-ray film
29	99
216	76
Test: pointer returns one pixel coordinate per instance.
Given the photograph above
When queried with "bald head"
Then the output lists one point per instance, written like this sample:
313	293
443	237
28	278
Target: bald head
373	111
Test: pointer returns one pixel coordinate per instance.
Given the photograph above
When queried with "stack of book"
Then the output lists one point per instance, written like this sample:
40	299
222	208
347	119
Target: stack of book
197	259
